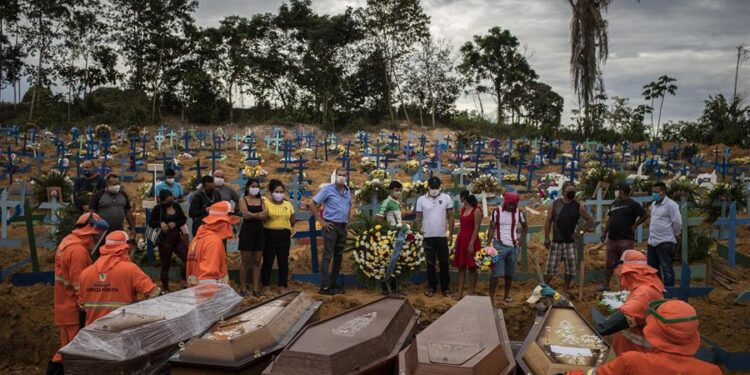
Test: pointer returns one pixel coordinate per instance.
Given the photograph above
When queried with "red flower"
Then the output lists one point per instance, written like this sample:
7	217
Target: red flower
410	237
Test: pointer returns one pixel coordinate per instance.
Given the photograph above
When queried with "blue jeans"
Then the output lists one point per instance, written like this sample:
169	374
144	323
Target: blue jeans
506	266
661	257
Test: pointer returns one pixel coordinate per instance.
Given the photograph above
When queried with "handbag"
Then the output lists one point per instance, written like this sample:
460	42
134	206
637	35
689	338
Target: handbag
154	234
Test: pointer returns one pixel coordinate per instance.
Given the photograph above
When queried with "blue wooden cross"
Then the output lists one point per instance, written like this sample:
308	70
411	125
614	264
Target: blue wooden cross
214	155
478	158
186	141
408	150
732	222
143	145
422	143
310	138
201	138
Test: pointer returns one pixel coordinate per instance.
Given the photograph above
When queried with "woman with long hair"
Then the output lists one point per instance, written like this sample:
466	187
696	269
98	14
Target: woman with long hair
252	235
467	243
278	227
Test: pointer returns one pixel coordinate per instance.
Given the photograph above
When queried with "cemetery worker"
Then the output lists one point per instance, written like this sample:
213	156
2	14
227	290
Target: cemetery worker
169	217
337	200
252	241
641	280
278	231
663	232
207	257
201	202
226	192
672	329
169	184
624	217
113	205
86	185
435	215
71	258
503	235
390	208
564	216
113	280
467	242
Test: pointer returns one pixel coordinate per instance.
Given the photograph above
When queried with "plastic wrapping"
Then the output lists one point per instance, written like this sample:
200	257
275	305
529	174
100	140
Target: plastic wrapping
139	338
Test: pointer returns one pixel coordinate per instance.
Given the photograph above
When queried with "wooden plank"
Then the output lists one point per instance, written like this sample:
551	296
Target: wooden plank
721	282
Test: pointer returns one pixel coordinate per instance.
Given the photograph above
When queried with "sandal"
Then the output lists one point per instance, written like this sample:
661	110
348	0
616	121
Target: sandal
508	299
257	294
446	293
429	292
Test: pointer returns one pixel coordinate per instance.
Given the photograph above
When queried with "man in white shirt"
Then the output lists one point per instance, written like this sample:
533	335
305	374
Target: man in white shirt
664	233
434	215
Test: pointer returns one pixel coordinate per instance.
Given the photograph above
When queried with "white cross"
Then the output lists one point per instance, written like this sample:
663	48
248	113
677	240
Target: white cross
5	204
54	206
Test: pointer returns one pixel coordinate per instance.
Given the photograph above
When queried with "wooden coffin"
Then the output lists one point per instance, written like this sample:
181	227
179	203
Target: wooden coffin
562	340
469	339
363	340
140	338
245	342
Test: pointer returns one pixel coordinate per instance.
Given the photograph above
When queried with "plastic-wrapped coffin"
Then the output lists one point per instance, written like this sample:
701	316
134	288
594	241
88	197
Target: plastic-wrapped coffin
363	340
139	338
560	341
245	342
469	339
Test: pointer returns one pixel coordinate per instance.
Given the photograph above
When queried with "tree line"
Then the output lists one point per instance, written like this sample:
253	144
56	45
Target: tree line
139	61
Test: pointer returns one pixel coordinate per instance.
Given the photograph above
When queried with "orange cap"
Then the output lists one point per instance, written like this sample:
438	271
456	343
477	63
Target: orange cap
115	242
221	211
673	337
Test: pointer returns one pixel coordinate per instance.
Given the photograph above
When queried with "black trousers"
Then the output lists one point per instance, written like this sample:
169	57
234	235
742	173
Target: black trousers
278	242
436	251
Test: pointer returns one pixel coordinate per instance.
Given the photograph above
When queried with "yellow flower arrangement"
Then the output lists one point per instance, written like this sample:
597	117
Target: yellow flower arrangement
373	248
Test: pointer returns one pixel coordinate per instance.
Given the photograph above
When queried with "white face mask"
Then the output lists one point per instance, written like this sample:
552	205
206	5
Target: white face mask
253	191
396	194
218	181
170	181
278	197
434	192
341	180
114	189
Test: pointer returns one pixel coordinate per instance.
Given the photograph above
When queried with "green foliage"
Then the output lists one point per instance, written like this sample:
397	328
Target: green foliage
51	178
67	218
699	244
595	173
722	192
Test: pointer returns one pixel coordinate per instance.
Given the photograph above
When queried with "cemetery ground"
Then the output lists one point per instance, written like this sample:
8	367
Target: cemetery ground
29	336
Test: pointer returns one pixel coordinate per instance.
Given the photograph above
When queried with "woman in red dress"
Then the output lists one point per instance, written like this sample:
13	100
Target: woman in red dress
467	243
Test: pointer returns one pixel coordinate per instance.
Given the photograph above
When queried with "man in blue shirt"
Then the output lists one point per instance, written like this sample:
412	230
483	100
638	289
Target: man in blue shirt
336	202
169	184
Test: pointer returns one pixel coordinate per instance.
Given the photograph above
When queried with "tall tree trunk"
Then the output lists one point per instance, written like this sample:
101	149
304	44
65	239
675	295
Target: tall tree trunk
658	123
157	84
37	84
388	90
499	108
740	52
231	103
421	120
481	105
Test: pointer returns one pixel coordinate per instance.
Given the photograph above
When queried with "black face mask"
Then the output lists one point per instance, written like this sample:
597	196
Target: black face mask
570	195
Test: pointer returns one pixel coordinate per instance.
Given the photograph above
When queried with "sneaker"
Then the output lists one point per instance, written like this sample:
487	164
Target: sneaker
337	290
326	291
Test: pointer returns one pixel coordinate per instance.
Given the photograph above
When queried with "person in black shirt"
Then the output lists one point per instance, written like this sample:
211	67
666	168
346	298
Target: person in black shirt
169	217
625	216
201	202
85	186
564	216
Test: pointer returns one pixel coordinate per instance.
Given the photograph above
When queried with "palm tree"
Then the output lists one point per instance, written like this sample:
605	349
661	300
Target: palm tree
658	90
589	48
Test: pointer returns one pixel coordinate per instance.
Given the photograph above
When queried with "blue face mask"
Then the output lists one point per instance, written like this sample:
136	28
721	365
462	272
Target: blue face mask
656	196
86	172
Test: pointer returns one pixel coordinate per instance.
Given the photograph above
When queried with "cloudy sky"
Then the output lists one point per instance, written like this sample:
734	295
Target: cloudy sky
691	40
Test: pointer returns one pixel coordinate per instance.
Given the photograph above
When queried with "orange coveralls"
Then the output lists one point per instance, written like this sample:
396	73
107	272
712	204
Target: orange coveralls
636	307
102	292
206	259
71	258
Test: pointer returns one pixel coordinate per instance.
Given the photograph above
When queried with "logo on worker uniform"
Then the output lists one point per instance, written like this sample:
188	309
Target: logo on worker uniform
102	276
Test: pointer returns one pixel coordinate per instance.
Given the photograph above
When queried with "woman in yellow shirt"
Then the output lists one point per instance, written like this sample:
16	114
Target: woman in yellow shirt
278	227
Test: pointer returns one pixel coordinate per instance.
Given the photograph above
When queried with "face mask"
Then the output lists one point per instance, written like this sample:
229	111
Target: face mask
170	181
434	192
114	189
168	203
570	195
253	191
86	172
396	194
340	180
218	181
278	197
656	196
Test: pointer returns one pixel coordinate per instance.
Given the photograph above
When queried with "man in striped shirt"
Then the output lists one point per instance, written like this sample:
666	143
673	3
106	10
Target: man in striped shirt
503	236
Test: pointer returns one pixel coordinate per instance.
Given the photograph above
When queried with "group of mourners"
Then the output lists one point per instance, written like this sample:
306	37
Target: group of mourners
86	290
